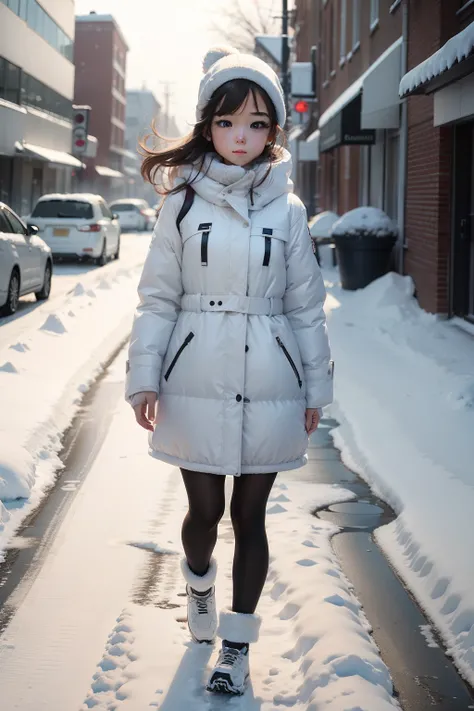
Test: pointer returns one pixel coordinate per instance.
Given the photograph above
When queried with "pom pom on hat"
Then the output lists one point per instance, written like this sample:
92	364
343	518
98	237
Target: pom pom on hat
223	63
214	54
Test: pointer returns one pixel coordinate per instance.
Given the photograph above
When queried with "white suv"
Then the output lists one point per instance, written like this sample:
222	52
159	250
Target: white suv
134	214
26	265
77	225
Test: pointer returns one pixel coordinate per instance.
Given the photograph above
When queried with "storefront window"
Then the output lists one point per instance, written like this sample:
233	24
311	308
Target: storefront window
355	24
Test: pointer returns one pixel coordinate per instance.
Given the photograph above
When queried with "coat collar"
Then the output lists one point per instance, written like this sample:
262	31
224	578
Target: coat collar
230	185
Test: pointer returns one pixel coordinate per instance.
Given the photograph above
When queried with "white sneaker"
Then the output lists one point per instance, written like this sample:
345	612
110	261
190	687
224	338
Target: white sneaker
231	673
202	615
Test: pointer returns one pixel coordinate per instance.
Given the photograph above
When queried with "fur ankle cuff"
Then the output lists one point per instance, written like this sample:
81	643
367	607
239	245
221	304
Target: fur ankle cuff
239	627
200	583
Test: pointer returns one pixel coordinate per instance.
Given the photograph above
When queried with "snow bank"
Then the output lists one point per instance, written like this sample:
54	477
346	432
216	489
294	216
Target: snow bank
42	378
365	220
455	50
404	394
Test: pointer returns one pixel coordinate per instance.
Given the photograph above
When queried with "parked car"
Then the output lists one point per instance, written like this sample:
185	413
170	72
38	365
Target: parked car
26	264
134	214
77	225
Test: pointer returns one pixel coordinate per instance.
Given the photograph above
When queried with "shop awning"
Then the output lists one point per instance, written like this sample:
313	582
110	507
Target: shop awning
343	127
380	86
452	62
107	172
371	102
52	156
309	149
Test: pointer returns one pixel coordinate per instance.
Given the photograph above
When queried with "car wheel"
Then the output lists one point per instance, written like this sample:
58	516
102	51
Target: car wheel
101	260
46	290
13	294
117	251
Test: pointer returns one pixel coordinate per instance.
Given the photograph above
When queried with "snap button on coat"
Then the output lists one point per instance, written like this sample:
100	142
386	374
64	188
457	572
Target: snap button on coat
266	338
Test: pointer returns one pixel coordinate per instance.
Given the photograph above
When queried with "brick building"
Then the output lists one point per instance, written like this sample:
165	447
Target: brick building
439	220
411	156
100	55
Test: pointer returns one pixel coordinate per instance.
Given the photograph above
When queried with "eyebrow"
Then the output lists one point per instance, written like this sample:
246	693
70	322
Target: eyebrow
260	113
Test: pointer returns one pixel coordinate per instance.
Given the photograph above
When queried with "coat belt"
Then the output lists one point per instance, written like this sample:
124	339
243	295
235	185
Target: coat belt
253	305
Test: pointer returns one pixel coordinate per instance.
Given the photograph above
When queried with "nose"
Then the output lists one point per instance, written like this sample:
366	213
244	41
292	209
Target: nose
240	138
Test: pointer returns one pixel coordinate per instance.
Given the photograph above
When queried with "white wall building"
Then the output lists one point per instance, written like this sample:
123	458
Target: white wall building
142	109
36	94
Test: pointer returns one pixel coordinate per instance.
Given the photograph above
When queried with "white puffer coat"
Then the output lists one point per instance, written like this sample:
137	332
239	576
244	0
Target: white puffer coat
230	331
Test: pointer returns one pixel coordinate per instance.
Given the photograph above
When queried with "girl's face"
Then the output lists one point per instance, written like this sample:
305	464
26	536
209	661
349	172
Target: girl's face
240	138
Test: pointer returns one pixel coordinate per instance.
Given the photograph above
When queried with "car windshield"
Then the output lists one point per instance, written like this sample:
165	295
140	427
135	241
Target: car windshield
65	209
124	207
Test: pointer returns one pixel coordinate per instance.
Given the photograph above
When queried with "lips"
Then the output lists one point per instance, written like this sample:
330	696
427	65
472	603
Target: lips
240	152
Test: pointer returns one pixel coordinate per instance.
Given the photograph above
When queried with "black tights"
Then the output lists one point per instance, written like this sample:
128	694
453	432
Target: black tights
206	508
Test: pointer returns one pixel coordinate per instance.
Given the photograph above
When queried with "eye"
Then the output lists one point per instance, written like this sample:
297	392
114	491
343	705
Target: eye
259	124
223	123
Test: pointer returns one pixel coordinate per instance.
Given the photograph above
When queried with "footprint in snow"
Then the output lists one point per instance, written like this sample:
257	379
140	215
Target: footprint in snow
289	611
277	591
309	544
8	368
276	509
306	562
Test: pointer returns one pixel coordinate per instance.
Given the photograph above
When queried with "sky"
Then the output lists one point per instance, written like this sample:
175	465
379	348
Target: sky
167	40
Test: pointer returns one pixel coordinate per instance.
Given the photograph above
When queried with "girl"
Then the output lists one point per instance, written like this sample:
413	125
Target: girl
230	337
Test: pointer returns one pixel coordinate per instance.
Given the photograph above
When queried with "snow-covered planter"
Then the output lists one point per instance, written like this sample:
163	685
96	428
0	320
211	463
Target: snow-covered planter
364	240
365	221
320	226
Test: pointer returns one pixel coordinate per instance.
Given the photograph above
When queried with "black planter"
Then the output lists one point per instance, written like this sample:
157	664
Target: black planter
363	258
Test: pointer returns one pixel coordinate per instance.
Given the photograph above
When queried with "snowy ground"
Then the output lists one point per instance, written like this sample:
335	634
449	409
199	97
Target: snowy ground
49	354
103	625
404	389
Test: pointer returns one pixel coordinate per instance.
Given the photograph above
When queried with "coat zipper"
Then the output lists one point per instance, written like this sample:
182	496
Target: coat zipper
290	360
187	341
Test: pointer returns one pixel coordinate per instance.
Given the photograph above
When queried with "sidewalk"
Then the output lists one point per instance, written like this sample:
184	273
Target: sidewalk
104	624
404	395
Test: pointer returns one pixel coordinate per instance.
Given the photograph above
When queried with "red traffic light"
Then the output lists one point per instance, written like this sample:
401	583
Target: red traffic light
79	143
301	106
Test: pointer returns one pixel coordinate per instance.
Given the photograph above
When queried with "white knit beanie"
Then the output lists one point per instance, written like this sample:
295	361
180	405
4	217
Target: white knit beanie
222	64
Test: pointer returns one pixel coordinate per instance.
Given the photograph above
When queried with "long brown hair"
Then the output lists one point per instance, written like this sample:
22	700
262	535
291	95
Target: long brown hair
192	149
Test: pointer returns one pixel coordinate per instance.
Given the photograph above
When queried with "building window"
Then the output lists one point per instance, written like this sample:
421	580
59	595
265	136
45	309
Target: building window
333	40
374	14
12	83
18	87
355	24
39	21
343	47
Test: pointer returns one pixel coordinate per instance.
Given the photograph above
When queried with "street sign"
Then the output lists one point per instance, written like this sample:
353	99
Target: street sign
301	107
80	129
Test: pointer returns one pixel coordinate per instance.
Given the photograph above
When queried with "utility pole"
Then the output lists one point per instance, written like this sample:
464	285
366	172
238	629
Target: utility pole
167	93
285	58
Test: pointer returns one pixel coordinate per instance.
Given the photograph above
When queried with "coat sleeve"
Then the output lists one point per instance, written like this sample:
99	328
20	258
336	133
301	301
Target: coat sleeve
160	290
303	305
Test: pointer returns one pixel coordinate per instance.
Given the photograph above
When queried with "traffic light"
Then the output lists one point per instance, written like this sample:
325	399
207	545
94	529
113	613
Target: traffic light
80	129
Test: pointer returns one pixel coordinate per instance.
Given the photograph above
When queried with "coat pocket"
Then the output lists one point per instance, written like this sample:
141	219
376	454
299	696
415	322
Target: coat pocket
185	343
290	361
269	234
